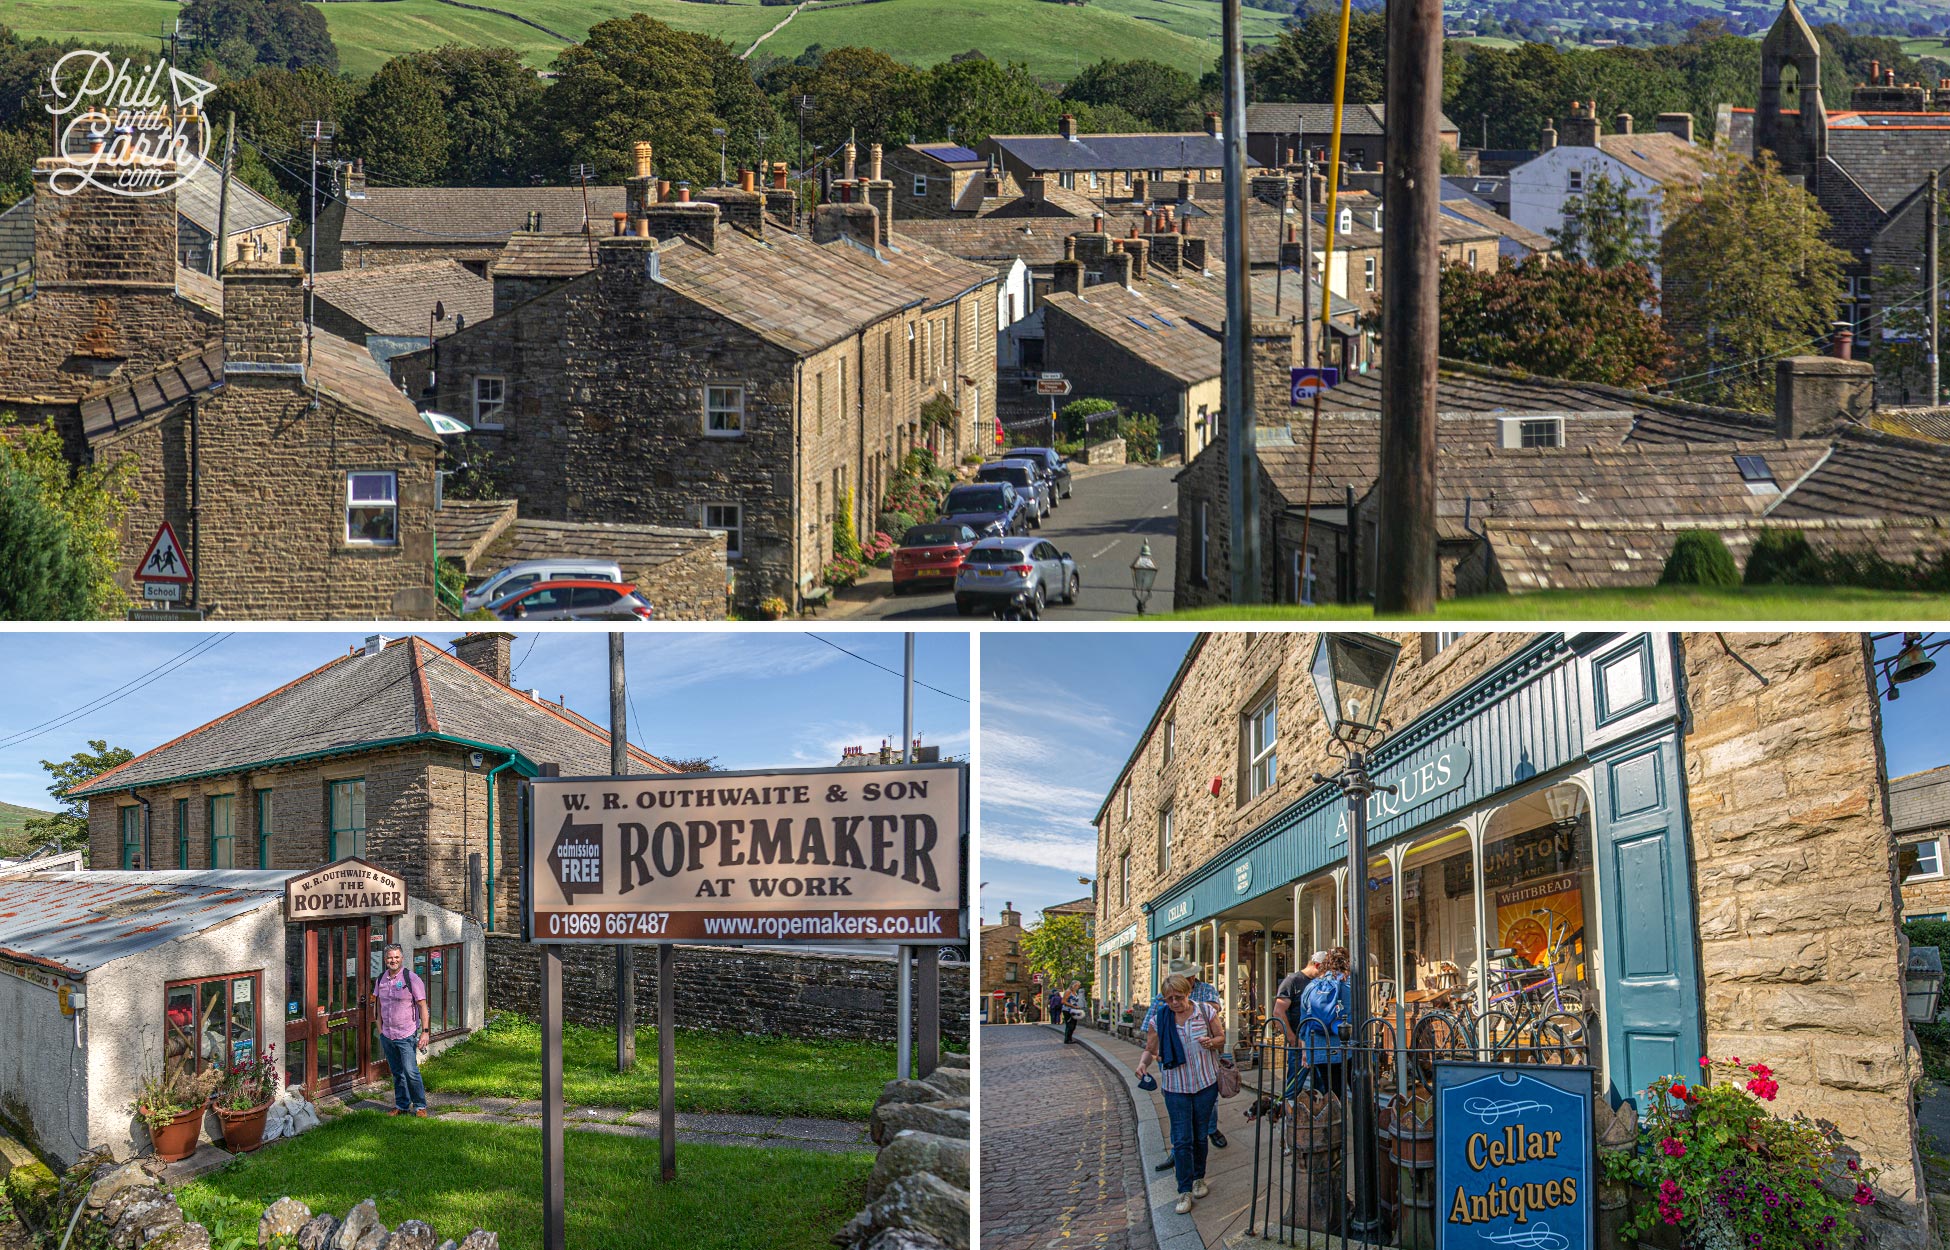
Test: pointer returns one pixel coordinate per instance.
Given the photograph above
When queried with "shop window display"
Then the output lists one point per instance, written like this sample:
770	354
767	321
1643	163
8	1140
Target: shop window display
210	1023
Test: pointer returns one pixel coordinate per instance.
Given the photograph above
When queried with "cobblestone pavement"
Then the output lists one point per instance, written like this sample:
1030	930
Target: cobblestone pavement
1060	1163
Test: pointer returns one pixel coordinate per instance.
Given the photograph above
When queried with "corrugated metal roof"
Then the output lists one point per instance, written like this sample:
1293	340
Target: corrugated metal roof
77	922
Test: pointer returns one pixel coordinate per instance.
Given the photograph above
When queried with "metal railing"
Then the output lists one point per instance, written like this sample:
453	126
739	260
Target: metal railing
1317	1164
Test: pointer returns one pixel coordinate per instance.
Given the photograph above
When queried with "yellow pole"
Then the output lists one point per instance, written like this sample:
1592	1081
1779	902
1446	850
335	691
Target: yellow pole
1333	180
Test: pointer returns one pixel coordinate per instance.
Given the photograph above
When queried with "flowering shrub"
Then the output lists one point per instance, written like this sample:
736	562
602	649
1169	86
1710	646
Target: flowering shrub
1734	1176
841	573
249	1084
876	546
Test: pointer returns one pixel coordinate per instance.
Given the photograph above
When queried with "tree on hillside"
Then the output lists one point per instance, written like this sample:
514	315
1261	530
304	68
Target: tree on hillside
18	151
490	99
60	528
1605	226
1560	319
1748	277
272	106
1161	97
635	78
240	35
68	828
981	98
398	126
1059	948
857	91
1299	68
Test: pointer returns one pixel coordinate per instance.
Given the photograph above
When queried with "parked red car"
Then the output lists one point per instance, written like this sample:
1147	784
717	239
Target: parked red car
575	599
930	555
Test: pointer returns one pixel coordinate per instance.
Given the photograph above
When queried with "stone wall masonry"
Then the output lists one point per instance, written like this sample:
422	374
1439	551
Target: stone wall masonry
1107	451
690	587
745	990
1800	947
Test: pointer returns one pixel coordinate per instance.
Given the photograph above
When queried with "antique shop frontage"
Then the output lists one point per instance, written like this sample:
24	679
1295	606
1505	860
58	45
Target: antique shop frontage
1648	848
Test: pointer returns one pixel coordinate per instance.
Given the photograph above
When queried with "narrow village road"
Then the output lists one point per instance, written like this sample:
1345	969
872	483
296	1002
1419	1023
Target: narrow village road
1060	1162
1113	512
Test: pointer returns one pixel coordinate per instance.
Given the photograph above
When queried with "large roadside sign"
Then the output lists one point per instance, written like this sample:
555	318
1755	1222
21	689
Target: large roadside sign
807	855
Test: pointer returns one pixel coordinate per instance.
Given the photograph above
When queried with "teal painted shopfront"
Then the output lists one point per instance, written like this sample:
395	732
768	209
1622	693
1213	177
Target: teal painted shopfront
1540	809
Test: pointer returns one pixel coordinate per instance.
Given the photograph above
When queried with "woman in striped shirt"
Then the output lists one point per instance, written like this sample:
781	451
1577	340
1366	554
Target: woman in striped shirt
1181	1041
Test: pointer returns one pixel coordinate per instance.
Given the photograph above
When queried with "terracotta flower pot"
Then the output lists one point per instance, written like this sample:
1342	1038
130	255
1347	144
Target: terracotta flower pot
177	1139
243	1131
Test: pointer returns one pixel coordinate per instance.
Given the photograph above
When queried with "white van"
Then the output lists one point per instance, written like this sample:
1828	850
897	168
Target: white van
519	577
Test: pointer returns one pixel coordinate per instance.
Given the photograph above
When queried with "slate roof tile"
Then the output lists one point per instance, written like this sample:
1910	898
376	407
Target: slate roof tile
395	299
429	216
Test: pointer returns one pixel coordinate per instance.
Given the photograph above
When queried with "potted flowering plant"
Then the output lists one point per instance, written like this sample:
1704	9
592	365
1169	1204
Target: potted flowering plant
1726	1172
244	1098
172	1105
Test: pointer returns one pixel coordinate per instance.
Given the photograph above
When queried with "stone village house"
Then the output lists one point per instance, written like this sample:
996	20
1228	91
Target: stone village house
1005	978
724	366
1703	818
299	480
1919	810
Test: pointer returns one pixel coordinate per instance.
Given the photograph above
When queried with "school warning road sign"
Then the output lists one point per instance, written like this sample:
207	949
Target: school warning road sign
164	561
811	855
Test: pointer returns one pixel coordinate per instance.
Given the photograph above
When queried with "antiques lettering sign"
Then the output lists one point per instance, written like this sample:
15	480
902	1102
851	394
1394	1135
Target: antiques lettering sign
350	887
817	855
1513	1160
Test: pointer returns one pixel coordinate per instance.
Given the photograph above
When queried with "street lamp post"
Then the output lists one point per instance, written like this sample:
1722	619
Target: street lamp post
1144	575
435	314
1351	674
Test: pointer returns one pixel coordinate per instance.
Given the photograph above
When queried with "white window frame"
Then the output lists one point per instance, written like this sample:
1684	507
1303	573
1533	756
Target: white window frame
1472	258
1532	431
487	414
1574	181
1935	847
1367	272
391	501
1260	752
920	185
712	410
733	531
1347	221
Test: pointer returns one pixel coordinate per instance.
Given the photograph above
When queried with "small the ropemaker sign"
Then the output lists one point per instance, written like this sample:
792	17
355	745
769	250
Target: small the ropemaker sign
1514	1161
814	855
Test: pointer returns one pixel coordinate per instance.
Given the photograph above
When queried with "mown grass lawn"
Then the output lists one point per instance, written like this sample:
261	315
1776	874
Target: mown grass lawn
1659	603
722	1072
460	1176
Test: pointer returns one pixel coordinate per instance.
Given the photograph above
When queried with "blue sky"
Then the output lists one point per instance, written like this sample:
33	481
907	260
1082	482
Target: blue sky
1056	734
1060	713
753	699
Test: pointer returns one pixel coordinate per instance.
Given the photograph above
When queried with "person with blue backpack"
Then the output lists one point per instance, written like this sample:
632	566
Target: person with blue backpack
1323	1010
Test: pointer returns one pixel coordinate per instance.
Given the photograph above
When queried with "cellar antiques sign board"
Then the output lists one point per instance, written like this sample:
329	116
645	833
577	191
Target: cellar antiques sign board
811	855
1514	1162
348	888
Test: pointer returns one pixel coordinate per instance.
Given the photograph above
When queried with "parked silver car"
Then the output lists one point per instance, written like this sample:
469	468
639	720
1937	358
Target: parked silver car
519	577
1015	574
1029	481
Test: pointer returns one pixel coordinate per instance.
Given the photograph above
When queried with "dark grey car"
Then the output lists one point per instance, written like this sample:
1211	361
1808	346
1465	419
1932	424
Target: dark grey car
1056	469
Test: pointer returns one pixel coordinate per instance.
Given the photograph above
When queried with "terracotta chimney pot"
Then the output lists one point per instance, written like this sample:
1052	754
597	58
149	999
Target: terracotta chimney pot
640	152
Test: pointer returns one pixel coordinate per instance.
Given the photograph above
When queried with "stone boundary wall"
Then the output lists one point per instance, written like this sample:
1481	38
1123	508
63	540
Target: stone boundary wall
1109	451
690	587
849	997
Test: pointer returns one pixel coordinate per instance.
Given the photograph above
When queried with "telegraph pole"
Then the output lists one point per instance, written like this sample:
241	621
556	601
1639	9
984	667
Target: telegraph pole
223	200
1931	267
1242	459
903	955
619	766
1405	550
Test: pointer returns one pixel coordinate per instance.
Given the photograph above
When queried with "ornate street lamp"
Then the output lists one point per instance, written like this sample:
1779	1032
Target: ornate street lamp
1352	673
1144	575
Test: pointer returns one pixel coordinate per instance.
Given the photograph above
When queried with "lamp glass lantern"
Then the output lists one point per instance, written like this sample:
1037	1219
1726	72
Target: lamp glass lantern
1144	575
1352	673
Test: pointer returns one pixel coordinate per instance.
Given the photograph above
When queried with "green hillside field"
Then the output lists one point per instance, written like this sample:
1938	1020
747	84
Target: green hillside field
1054	40
12	819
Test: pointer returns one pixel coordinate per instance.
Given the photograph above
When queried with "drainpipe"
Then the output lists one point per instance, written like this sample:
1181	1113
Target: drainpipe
148	828
507	763
196	525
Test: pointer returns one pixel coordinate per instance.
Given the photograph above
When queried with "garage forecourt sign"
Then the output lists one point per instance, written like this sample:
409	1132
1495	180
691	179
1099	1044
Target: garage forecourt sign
870	854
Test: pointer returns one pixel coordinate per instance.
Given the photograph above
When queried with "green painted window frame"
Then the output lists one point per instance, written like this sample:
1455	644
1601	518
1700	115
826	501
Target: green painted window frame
221	810
182	833
131	818
353	816
263	816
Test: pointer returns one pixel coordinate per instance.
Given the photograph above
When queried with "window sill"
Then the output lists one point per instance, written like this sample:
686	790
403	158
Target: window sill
726	435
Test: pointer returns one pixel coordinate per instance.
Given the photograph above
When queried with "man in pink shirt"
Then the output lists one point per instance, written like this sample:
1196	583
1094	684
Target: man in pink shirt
403	1006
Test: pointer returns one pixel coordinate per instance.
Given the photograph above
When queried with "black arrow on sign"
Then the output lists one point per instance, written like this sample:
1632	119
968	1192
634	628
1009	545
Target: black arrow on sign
577	873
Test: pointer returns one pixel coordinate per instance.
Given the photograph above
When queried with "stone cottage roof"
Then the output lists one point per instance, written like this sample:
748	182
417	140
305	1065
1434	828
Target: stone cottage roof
76	922
464	528
1180	339
1889	162
1496	223
431	216
1190	150
1315	120
530	255
411	690
1037	242
786	290
1656	154
1920	801
199	198
395	299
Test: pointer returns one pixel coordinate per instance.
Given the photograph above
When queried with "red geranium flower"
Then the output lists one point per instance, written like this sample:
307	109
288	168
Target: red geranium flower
1678	1090
1864	1195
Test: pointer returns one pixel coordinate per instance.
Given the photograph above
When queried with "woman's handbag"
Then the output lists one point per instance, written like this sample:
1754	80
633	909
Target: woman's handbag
1228	1077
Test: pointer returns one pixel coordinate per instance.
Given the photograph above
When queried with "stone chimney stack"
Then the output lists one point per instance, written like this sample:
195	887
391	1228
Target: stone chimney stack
1276	349
1813	395
879	192
1545	142
1581	127
1622	124
487	652
1066	126
857	221
1212	126
1067	274
93	235
694	220
1035	189
1272	188
1010	915
780	199
355	180
1679	124
264	317
740	206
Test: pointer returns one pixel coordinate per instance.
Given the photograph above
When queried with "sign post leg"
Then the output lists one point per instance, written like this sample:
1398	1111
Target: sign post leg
904	1013
552	1162
666	1060
927	993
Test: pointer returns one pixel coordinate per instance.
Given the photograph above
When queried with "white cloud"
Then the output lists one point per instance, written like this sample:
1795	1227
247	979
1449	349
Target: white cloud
1043	848
668	661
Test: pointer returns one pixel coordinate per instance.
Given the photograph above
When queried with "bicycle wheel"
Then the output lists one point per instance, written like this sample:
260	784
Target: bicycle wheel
1545	1043
1576	1032
1500	1033
1440	1034
1570	998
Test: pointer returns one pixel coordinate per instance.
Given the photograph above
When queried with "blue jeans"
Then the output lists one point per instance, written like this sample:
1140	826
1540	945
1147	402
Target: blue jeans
1193	1117
403	1061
